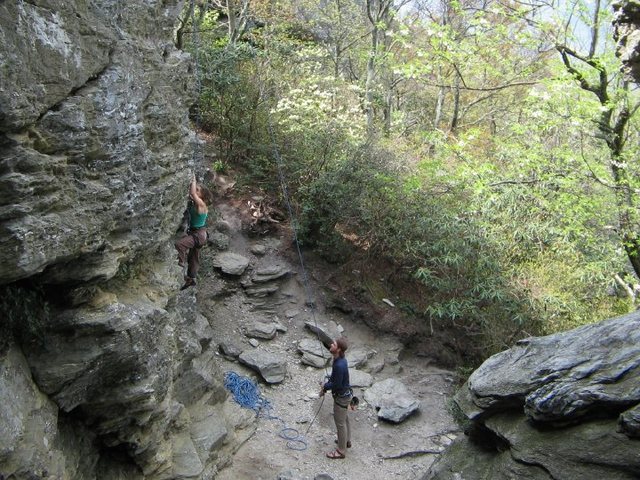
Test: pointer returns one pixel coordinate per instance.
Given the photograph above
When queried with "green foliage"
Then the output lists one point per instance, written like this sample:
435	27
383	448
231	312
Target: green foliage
24	314
491	188
219	166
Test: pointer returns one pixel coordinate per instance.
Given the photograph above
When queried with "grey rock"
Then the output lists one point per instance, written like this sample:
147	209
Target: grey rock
291	313
313	347
207	429
25	437
280	327
219	240
470	462
392	400
231	263
629	422
313	360
230	350
563	376
327	332
271	367
358	378
260	291
374	365
323	476
573	384
254	343
358	356
262	330
186	462
104	100
197	380
268	273
258	250
626	32
313	353
97	150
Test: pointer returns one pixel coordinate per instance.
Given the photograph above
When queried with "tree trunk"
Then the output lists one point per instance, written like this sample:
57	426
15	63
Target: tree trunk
456	105
371	71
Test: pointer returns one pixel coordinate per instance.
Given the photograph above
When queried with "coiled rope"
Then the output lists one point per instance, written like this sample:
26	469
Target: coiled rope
247	394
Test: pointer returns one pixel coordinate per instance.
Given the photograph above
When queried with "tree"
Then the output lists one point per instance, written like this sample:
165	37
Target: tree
593	72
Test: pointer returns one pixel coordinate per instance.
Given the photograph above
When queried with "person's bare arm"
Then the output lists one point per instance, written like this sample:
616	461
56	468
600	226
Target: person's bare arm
201	207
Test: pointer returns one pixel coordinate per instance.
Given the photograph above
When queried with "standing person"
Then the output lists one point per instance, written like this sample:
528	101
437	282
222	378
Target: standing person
341	390
189	246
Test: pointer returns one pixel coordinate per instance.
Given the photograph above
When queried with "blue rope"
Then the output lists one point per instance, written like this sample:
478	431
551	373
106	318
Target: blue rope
247	394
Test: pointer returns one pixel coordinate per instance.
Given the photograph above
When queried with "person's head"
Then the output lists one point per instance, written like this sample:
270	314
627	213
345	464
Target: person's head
339	346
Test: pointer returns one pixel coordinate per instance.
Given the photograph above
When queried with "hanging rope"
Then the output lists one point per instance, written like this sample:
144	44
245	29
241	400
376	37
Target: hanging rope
198	151
246	392
294	225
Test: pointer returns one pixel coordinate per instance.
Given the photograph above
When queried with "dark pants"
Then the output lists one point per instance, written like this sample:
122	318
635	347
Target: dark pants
188	248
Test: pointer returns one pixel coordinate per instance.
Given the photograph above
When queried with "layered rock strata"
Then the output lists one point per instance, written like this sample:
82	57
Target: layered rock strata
105	372
558	407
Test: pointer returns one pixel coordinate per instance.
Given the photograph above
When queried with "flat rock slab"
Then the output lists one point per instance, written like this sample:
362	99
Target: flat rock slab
358	356
392	400
358	378
313	353
263	330
270	366
231	263
269	273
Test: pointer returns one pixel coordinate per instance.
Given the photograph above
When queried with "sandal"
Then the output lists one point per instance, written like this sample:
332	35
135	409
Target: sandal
336	454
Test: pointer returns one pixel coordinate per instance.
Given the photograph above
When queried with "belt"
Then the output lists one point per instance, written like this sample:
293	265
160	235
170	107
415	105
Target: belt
347	393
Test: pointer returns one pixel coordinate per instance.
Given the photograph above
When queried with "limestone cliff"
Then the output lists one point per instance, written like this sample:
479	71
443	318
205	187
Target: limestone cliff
104	371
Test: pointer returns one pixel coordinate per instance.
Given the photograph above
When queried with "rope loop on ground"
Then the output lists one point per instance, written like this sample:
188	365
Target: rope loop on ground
246	393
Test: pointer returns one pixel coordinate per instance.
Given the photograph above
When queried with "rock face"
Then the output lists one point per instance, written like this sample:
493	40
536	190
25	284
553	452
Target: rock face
108	374
627	33
94	133
562	406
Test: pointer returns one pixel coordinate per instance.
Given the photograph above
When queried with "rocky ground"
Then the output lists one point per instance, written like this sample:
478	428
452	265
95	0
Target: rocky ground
381	450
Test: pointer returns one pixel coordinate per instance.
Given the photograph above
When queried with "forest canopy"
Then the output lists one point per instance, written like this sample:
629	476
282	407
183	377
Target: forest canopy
487	149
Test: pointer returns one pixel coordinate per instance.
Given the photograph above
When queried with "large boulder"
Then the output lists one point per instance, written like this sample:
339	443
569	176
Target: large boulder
561	406
270	366
392	400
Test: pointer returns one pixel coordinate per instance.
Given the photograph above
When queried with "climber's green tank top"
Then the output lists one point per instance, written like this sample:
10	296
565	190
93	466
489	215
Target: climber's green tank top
198	220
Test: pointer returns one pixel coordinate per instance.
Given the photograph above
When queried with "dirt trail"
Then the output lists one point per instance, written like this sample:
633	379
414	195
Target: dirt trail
295	401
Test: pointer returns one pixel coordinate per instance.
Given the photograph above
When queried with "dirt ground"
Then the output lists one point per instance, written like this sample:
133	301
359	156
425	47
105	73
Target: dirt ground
380	450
